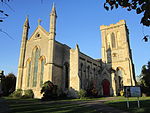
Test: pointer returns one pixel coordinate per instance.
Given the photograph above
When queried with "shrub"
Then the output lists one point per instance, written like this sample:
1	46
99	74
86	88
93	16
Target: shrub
72	93
82	94
28	93
49	91
17	93
92	92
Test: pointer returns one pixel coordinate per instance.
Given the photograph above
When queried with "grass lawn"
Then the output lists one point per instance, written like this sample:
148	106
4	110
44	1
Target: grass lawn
120	103
38	106
74	105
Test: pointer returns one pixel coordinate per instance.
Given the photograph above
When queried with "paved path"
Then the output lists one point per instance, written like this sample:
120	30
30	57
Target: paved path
99	107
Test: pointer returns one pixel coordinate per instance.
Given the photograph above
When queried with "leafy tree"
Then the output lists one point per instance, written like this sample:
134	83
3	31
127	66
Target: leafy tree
140	6
2	12
10	83
145	79
49	90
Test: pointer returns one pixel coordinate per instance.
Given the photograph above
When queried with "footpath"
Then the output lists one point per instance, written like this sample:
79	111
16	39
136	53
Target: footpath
100	107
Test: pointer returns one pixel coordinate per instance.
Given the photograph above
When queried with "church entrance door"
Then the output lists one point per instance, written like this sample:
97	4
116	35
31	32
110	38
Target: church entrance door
106	87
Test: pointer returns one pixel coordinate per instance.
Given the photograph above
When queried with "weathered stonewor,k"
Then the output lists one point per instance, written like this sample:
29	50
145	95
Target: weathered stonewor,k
42	58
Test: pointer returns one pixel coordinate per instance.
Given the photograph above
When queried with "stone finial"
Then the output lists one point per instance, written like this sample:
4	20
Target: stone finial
26	23
77	47
53	7
53	12
39	21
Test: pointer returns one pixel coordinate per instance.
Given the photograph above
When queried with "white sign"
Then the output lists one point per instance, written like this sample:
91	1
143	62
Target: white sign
132	91
135	91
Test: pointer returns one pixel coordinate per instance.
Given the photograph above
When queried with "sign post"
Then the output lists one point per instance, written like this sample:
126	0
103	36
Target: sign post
132	91
138	102
128	103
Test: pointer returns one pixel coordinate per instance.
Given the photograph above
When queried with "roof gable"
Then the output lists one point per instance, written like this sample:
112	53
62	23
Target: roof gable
38	33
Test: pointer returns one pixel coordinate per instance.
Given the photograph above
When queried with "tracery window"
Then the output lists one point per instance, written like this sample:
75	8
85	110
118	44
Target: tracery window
28	72
113	41
88	72
94	73
36	58
42	71
66	75
81	75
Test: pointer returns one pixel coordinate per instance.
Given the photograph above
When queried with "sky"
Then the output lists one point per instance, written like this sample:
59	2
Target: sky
78	22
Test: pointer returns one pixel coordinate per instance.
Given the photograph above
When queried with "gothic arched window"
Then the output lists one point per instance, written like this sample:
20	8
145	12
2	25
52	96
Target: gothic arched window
88	72
81	75
108	40
28	72
113	41
36	58
119	39
66	75
42	71
94	73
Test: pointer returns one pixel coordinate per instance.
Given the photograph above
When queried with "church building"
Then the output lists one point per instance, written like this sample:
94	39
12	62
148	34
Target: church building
42	58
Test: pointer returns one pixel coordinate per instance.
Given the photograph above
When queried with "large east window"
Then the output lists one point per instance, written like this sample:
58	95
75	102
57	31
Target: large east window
36	58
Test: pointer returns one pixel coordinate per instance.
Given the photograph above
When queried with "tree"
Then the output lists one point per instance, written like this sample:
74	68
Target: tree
145	79
140	6
10	83
2	12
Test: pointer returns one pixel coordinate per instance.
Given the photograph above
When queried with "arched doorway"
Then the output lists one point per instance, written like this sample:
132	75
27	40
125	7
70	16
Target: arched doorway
106	87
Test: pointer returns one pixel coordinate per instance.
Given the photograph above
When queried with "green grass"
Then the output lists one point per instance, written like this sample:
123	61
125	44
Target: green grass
58	106
121	103
74	105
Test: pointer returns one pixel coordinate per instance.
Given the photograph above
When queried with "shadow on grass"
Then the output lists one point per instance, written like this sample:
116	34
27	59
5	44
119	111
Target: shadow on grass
144	106
37	106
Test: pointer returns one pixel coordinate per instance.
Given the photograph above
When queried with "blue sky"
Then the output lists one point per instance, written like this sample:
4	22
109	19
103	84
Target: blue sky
78	22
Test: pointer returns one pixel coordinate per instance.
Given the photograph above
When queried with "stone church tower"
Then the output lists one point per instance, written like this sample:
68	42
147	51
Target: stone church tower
116	53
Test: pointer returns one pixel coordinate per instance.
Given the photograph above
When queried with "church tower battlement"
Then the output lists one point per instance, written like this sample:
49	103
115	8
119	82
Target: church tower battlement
116	51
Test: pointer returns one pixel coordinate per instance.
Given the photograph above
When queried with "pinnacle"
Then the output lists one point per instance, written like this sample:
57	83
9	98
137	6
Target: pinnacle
26	23
53	9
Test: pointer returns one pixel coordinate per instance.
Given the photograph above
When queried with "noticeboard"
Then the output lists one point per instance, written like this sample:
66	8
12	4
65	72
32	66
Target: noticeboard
132	91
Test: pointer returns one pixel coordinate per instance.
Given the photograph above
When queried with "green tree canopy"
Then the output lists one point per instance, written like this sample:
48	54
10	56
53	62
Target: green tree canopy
10	83
140	6
2	12
145	78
